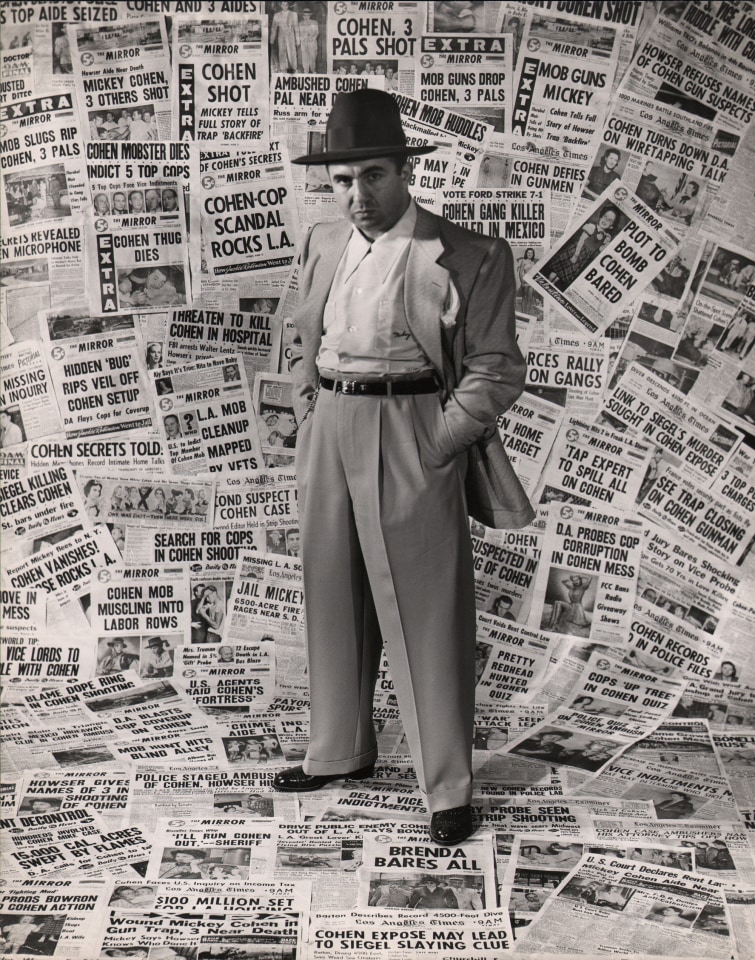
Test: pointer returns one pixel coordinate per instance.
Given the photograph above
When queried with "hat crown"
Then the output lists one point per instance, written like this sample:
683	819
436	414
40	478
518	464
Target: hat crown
365	119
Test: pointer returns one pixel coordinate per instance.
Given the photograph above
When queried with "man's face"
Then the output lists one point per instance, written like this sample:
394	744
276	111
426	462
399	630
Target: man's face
287	424
119	202
137	202
610	160
371	194
153	200
184	858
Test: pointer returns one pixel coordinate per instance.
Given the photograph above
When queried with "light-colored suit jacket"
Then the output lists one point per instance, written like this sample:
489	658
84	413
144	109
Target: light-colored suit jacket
475	355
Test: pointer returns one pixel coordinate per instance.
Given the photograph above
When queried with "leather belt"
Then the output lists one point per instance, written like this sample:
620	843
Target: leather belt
380	388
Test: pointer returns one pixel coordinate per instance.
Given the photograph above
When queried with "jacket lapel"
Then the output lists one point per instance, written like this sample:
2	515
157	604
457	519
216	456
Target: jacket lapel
425	287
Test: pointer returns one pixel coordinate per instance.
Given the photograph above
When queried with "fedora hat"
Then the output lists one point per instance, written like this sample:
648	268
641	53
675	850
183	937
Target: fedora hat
362	124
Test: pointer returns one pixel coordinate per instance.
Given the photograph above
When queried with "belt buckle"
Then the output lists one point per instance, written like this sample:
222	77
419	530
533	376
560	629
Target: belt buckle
348	387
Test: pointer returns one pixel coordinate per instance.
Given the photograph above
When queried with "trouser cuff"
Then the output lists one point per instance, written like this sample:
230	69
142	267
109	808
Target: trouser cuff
448	799
347	765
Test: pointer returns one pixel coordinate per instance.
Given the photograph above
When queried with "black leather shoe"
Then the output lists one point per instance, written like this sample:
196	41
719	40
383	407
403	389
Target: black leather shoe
295	780
452	826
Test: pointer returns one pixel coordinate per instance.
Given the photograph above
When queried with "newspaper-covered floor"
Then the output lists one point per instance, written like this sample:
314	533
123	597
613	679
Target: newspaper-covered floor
153	668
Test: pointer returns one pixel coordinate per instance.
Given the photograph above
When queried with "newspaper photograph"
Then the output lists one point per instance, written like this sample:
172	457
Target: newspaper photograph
148	500
276	422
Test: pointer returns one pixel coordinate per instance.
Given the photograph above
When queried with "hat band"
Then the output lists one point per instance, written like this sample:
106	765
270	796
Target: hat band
364	138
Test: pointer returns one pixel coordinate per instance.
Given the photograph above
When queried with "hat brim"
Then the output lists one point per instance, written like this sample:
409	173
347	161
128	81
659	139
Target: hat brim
360	153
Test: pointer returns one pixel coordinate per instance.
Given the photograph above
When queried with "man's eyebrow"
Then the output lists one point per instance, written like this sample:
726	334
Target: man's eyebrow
375	168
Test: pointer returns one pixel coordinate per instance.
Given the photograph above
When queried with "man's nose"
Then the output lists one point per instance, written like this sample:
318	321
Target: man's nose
361	189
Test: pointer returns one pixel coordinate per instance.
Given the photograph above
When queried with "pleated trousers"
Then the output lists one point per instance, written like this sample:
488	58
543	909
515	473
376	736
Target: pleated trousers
387	558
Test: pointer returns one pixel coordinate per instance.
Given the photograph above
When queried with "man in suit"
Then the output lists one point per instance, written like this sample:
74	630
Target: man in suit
405	354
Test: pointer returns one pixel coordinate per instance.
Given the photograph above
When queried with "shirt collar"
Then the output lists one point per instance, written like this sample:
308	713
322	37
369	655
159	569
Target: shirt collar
386	248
